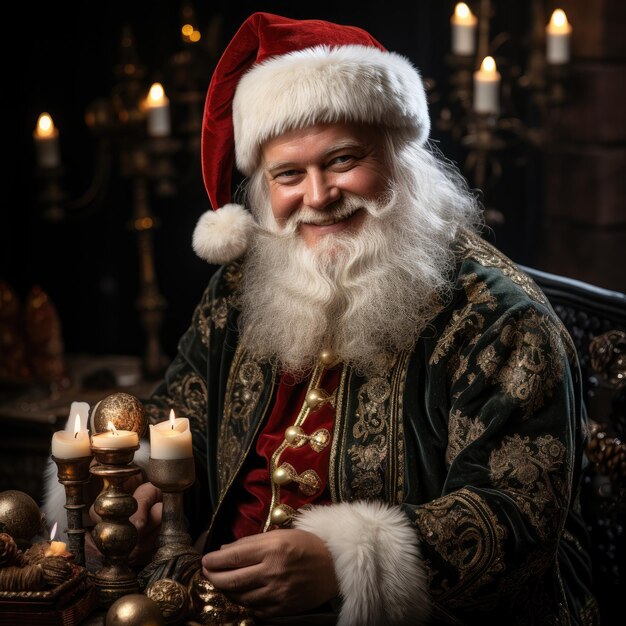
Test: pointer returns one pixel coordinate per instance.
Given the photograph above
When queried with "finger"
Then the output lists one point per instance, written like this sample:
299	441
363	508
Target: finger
231	557
156	515
238	580
146	495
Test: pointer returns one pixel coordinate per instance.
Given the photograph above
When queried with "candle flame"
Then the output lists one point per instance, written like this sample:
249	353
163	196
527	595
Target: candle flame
111	427
488	65
76	425
53	532
45	126
558	19
462	11
172	418
156	95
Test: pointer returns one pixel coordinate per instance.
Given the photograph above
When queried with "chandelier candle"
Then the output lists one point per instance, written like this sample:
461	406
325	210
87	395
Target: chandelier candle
463	23
487	87
558	32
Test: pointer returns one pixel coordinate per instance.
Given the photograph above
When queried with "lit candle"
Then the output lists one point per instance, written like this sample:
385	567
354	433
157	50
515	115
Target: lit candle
71	445
487	87
114	438
463	23
171	439
558	33
158	111
46	138
56	548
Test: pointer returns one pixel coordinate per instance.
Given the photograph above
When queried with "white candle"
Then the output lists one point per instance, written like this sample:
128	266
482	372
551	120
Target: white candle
56	548
158	111
46	138
463	23
71	445
558	33
171	439
487	87
114	438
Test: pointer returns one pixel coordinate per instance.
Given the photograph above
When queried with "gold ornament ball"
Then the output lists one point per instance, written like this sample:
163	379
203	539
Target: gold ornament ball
126	412
134	609
20	516
172	598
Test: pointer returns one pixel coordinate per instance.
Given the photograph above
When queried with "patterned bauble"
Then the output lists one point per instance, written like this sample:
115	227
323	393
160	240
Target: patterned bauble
172	598
126	412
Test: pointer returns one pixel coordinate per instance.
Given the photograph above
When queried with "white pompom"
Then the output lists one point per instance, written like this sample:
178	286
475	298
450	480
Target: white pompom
222	236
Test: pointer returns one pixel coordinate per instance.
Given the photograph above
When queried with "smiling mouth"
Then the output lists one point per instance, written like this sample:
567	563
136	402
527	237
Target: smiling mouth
330	221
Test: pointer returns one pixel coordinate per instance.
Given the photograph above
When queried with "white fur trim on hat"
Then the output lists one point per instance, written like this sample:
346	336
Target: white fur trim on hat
222	236
351	83
377	562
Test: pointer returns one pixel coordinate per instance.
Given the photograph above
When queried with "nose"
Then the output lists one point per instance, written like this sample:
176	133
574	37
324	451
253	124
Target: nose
320	190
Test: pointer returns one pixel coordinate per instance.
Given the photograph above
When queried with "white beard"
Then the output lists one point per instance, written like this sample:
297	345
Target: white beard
363	295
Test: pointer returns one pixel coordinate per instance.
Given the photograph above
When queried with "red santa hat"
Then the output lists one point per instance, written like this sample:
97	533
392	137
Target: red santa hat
278	74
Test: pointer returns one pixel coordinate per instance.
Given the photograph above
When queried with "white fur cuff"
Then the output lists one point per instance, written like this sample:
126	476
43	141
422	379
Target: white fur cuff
222	236
374	548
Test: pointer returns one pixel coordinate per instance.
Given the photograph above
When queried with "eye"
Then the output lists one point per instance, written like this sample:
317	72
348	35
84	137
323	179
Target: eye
343	161
286	176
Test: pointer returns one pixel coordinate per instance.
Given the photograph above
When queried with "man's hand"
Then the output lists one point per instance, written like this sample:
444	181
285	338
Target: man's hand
147	521
282	572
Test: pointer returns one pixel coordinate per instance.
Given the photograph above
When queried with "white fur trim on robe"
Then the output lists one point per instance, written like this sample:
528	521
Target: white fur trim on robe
377	562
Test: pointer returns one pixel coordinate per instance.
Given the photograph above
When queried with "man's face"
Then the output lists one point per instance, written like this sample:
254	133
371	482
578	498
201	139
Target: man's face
308	170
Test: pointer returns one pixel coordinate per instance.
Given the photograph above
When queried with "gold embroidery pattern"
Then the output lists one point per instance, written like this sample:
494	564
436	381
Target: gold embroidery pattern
533	369
188	395
233	273
531	472
476	248
372	420
469	536
376	468
243	390
464	322
202	317
462	430
219	312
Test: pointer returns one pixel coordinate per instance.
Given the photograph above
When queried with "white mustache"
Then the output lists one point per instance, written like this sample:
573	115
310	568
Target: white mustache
323	218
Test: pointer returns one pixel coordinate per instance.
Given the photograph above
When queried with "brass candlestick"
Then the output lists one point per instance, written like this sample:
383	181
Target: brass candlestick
73	474
115	536
172	477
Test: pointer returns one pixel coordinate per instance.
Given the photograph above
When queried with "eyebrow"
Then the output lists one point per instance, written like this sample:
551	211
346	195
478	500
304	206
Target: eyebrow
348	144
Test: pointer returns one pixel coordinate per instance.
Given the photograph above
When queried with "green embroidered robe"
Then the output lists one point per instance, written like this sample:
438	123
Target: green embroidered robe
477	434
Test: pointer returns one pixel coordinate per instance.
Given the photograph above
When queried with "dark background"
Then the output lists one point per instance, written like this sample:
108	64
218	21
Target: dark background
88	263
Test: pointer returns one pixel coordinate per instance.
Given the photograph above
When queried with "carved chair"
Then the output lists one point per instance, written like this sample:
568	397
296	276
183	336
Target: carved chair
596	320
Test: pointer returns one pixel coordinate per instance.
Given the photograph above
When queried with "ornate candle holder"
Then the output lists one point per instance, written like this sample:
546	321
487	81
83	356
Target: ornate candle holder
73	474
172	477
115	535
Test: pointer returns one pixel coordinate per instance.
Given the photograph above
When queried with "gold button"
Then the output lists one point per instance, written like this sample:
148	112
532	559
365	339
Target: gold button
315	398
281	476
293	434
281	514
328	358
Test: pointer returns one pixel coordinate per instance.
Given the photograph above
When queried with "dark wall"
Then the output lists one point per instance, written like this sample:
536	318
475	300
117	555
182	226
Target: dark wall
88	263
